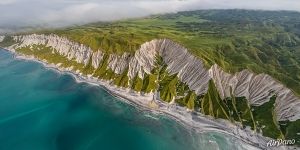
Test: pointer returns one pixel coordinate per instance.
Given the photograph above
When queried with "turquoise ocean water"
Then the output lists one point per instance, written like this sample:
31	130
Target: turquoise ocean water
41	109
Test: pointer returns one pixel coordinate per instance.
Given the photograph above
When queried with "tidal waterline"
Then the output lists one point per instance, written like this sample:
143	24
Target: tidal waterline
41	109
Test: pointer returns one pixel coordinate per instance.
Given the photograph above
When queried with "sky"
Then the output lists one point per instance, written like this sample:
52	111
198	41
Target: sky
57	13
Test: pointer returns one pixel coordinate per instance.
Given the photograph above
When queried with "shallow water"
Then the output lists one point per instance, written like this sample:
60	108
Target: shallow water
41	109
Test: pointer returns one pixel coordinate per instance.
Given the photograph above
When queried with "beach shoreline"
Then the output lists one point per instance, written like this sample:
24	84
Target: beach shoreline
191	120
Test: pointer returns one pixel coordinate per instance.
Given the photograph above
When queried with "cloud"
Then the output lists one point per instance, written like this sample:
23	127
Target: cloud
21	13
83	12
7	2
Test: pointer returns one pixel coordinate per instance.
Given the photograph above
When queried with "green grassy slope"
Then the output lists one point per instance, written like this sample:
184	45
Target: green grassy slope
291	130
236	109
213	105
262	41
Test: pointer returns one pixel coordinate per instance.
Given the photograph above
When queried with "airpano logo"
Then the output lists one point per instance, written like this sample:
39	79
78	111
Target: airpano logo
280	142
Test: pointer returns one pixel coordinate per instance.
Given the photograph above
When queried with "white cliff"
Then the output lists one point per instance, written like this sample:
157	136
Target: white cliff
118	63
63	46
257	88
1	38
97	59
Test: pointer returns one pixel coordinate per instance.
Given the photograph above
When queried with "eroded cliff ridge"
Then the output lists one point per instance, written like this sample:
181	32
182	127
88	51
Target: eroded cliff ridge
167	67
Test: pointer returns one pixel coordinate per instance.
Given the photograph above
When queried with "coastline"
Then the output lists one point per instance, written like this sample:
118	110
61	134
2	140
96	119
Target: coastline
191	120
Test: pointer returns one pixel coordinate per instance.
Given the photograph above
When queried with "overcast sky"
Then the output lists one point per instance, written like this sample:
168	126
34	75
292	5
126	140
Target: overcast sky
18	13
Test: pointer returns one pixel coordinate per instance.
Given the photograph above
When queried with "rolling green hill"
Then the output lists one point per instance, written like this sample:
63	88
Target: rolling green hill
262	41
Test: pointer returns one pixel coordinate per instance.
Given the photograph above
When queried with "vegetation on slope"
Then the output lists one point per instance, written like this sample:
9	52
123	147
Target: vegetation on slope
265	118
7	41
291	130
236	109
213	105
262	41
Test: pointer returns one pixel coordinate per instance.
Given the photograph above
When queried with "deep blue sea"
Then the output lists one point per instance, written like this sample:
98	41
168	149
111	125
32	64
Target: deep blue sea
41	109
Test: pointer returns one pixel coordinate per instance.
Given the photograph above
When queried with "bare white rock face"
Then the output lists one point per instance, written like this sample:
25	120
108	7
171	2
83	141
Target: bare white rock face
97	59
62	45
257	88
118	63
190	69
1	38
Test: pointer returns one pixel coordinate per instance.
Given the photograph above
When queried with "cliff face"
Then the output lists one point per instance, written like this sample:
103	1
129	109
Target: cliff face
62	45
2	38
256	88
